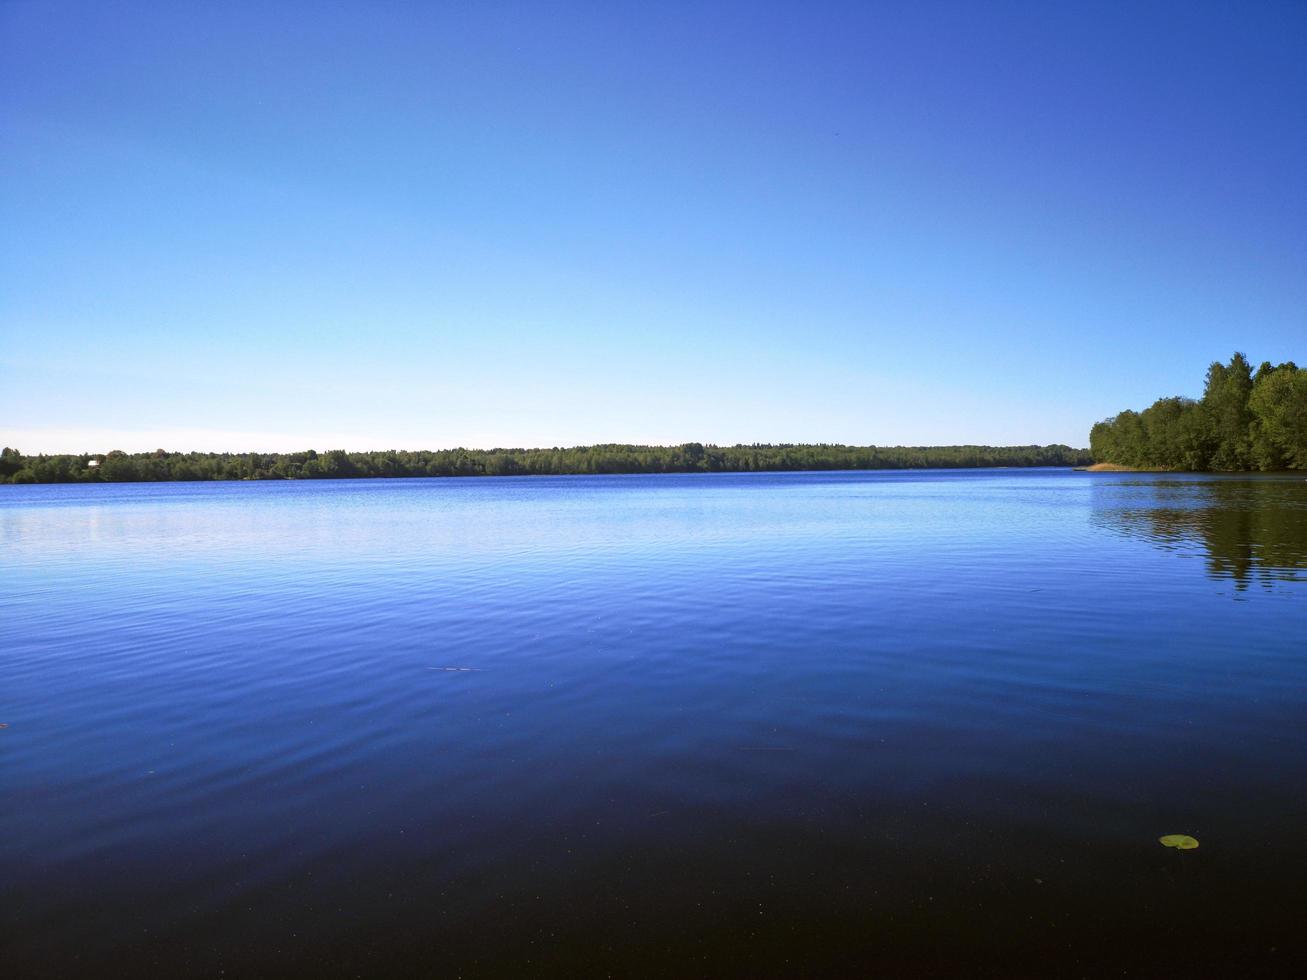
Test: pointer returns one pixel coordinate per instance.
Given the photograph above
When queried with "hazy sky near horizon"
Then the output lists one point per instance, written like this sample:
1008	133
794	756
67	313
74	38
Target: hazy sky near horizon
370	225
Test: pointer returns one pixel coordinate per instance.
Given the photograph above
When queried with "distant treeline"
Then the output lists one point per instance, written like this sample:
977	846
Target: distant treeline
1245	420
692	457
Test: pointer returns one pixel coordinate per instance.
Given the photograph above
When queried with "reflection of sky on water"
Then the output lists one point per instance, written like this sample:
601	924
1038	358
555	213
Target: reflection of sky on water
803	706
1249	529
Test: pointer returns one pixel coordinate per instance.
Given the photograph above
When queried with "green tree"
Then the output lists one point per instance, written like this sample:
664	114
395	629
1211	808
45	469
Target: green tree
1225	399
1278	405
11	461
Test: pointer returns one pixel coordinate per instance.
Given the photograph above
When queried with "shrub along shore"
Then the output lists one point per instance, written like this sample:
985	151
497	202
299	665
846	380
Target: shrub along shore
691	457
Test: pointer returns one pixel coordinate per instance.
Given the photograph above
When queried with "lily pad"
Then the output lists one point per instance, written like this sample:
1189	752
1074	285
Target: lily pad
1182	842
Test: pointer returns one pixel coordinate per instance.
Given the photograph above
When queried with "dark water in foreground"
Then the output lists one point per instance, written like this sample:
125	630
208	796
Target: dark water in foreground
894	724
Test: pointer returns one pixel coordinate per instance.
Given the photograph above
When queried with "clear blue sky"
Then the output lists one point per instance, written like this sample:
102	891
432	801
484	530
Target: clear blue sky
278	225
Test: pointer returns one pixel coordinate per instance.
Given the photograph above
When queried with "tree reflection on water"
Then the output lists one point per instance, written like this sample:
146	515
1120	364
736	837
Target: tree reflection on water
1251	528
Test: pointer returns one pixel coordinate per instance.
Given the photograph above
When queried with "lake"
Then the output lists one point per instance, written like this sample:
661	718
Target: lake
806	724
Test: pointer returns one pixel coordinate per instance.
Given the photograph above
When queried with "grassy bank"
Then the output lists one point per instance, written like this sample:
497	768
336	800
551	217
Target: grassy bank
1118	468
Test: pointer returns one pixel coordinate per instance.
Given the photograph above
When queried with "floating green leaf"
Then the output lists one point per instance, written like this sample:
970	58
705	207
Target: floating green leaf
1181	842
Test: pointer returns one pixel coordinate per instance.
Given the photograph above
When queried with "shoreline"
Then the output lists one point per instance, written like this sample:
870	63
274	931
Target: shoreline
1118	468
532	476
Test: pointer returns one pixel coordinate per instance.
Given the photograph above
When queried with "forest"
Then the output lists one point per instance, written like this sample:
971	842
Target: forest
692	457
1245	420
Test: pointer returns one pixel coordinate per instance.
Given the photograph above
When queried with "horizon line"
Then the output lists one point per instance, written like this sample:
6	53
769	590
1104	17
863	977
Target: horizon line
328	448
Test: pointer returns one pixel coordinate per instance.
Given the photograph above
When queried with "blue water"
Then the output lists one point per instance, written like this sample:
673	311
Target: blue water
925	723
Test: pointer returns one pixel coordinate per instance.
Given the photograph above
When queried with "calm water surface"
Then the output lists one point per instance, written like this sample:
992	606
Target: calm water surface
896	724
